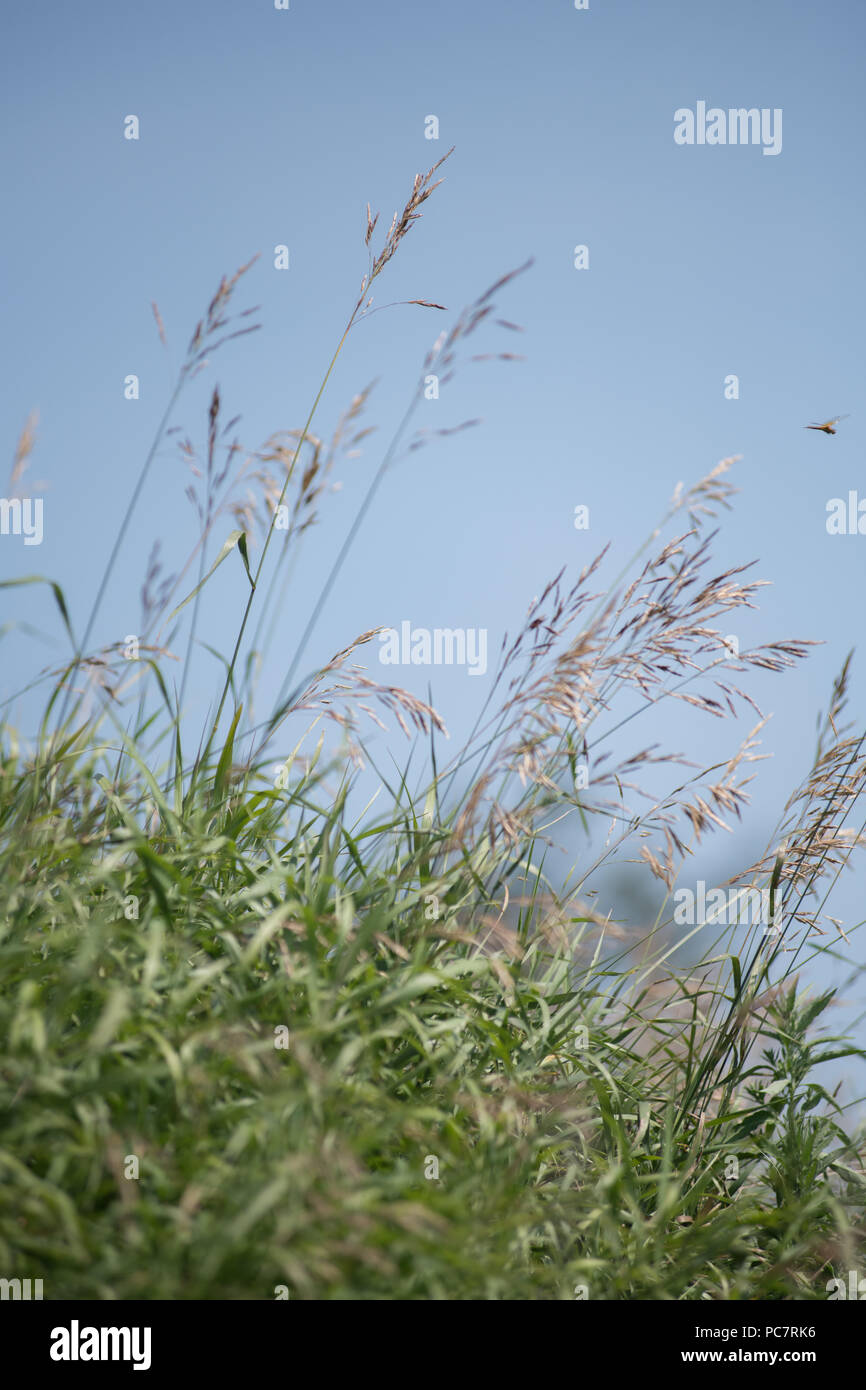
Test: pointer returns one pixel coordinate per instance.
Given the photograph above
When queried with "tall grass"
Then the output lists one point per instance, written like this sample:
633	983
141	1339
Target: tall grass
258	1046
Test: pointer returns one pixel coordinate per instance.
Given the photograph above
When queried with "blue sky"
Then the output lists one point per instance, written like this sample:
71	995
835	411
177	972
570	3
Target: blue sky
260	128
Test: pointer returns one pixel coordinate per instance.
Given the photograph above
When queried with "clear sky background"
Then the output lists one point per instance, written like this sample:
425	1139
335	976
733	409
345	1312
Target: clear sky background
261	127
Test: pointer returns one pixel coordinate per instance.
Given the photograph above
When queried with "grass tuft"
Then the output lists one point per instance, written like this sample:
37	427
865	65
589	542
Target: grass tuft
258	1046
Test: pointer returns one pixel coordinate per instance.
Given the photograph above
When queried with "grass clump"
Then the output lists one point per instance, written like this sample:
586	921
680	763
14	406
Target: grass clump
258	1045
